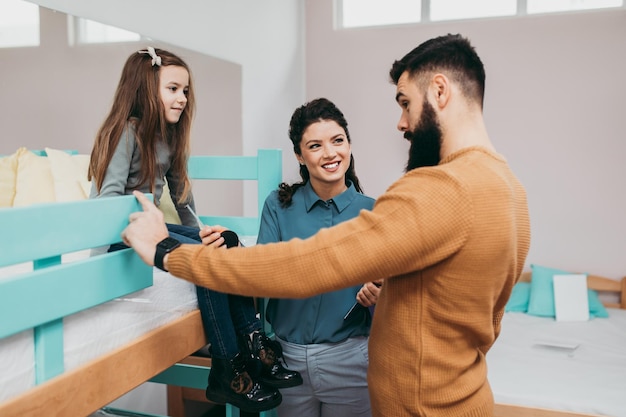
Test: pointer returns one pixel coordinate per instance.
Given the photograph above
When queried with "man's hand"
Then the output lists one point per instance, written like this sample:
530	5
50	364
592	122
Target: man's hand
146	229
368	294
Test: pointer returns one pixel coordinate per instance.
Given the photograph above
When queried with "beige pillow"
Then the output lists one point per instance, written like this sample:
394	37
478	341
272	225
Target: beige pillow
82	161
8	175
69	173
34	182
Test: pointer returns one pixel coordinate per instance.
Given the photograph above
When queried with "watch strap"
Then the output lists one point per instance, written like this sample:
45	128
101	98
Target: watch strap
163	248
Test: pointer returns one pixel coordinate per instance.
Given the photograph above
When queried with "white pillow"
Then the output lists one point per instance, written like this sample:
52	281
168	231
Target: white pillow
69	174
34	182
8	176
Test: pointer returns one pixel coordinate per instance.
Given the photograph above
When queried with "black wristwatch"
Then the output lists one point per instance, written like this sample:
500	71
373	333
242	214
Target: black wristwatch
163	248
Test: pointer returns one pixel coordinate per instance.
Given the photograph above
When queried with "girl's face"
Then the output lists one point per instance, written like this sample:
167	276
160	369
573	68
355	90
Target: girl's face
173	89
325	151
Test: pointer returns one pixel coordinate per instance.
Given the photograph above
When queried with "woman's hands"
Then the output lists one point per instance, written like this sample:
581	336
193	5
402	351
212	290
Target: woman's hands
211	235
368	294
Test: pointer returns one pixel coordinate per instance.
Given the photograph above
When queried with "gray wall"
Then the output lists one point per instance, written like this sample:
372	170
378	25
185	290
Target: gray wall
554	108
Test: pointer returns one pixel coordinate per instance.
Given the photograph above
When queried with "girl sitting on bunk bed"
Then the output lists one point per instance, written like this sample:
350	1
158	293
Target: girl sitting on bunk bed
144	141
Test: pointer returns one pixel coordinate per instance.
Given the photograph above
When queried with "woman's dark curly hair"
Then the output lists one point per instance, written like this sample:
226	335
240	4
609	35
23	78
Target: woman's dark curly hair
312	112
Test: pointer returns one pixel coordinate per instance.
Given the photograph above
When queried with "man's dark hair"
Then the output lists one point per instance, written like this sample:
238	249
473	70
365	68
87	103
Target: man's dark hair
450	54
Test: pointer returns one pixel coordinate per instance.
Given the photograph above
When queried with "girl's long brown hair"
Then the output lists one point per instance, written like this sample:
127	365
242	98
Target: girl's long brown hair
137	102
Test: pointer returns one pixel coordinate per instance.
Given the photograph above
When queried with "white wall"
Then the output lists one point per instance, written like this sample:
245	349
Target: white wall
265	37
554	103
554	108
59	94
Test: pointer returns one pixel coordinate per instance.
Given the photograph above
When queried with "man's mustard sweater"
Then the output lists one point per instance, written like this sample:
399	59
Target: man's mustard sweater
450	242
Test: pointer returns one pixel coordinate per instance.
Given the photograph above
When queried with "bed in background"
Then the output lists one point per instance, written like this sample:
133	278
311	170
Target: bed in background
64	347
541	367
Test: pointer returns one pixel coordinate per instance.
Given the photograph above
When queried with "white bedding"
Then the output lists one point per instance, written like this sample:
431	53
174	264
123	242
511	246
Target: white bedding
101	329
586	374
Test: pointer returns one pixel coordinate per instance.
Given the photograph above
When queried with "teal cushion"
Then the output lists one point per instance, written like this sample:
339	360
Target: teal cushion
541	300
518	302
596	308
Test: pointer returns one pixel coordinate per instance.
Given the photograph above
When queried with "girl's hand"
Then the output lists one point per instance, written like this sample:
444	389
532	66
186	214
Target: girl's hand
210	235
368	294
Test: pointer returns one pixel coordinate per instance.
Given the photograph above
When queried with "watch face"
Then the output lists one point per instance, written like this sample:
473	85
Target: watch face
169	243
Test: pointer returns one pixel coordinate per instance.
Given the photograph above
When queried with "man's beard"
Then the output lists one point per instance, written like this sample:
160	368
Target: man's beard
425	140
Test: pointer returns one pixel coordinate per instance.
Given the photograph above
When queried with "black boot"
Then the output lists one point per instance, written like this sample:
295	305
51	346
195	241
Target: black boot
269	352
229	382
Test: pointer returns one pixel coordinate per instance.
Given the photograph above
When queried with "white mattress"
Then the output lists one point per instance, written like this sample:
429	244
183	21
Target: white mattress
569	366
101	329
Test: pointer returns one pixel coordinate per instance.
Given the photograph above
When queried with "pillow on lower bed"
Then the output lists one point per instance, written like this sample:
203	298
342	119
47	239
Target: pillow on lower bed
541	294
596	308
8	176
34	180
518	302
69	173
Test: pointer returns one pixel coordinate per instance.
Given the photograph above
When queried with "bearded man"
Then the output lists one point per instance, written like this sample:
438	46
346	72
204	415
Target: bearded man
450	239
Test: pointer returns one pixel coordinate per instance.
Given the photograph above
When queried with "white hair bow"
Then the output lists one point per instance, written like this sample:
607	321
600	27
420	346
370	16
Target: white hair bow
155	58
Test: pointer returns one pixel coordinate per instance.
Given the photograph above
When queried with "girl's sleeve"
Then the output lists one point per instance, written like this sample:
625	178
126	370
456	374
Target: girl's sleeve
116	178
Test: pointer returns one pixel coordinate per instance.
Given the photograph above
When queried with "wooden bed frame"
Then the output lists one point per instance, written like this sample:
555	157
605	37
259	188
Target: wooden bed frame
32	234
99	382
594	282
41	234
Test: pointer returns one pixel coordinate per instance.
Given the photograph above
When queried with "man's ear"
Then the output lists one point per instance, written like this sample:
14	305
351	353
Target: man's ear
441	90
